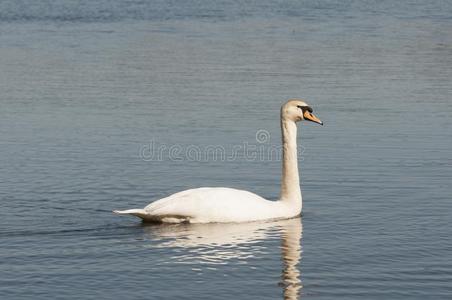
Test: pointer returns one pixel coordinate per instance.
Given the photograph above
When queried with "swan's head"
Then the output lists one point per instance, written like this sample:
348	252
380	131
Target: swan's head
297	110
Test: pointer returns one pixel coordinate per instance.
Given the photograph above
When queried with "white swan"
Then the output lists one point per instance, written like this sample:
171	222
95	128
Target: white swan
205	205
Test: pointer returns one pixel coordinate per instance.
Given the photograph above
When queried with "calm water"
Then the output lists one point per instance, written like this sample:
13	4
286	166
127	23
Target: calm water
87	85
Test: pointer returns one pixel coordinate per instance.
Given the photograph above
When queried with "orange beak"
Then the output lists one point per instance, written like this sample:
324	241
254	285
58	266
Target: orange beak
310	117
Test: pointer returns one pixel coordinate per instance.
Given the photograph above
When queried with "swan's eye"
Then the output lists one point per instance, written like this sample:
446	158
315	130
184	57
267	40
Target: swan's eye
303	108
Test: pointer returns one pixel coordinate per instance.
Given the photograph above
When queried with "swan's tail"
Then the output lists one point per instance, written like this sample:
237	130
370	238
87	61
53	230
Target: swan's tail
138	212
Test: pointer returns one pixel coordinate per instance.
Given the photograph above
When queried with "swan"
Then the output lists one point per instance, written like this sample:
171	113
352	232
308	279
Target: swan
225	205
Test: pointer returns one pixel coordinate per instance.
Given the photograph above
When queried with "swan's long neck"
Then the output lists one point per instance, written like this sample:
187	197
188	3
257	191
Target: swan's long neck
290	182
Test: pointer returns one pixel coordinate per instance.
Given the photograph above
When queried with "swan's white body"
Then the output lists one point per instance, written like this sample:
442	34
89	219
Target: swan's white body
206	205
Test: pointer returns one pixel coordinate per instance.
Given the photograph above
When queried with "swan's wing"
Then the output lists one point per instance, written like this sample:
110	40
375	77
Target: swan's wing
207	204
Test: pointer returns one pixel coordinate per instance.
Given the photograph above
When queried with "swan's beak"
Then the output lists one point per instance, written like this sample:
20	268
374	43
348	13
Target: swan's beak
310	117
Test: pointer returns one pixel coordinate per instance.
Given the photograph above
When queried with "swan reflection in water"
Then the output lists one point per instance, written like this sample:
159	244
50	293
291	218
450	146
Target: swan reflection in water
218	243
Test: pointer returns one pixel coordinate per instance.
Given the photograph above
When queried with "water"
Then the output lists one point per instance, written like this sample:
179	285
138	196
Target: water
87	85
